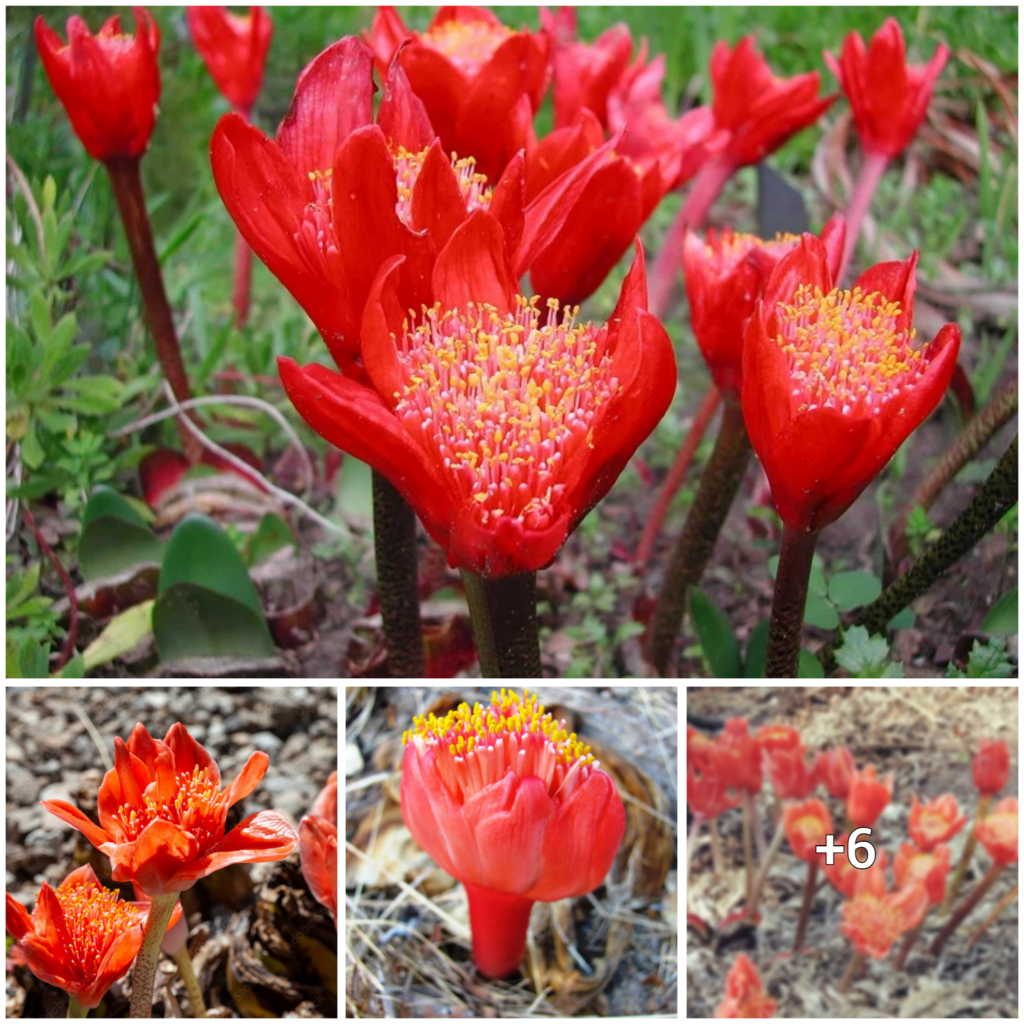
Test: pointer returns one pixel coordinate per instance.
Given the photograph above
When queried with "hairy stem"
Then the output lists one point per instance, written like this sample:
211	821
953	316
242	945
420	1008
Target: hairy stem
871	172
716	492
394	545
994	499
144	976
676	475
665	270
131	203
965	908
786	626
504	616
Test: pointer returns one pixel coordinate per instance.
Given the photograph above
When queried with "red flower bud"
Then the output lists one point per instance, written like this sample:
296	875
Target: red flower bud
744	992
991	766
850	880
935	822
835	769
234	48
868	797
929	869
109	83
807	824
789	773
998	833
706	795
737	757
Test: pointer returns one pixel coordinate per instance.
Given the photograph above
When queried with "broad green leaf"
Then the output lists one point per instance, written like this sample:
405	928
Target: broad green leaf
716	637
56	348
39	316
757	651
354	493
863	656
902	619
986	661
31	448
109	546
819	612
809	667
122	634
272	534
847	590
1001	618
105	502
192	621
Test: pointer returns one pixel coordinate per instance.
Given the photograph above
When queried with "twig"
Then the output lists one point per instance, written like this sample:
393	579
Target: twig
246	400
647	807
286	497
69	588
96	737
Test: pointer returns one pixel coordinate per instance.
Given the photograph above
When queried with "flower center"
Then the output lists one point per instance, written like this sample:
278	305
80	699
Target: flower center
473	186
95	917
506	401
728	248
846	350
467	44
198	806
476	748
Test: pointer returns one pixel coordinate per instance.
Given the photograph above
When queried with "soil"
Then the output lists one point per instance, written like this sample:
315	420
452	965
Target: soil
926	738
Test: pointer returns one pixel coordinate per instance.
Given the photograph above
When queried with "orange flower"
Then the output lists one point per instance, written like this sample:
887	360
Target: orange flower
873	923
737	757
927	868
835	768
991	766
806	826
80	937
326	803
706	795
744	993
998	832
789	773
318	852
867	797
162	814
852	881
935	822
778	737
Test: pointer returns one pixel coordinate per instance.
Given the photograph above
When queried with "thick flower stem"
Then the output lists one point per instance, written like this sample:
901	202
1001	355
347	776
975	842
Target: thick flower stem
805	906
908	942
965	857
127	185
994	916
504	616
665	270
676	475
718	486
994	499
748	852
76	1009
871	172
394	544
144	976
787	621
967	444
241	297
195	993
965	908
852	971
498	921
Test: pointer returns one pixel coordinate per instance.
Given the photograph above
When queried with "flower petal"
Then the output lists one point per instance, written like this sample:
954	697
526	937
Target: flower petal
472	267
77	820
189	755
249	777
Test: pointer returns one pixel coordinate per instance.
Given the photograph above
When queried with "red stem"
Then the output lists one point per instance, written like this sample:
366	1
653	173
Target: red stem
704	191
965	908
871	172
786	626
69	588
499	921
676	475
243	280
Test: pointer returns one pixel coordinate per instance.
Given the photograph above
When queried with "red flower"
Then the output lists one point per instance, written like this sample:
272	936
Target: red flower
234	48
788	772
755	112
833	382
318	854
850	880
889	96
109	83
500	425
509	803
480	81
725	276
326	803
778	737
80	937
699	749
927	868
867	797
873	923
744	992
935	822
999	832
737	757
807	824
835	769
991	766
162	814
706	794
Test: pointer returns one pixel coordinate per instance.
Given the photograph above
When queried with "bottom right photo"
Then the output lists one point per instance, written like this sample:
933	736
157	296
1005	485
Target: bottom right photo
852	851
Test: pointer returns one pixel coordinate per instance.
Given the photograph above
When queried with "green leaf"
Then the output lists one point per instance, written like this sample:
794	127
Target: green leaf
20	587
757	651
354	493
863	656
192	621
122	634
74	669
114	536
31	448
819	612
85	264
1001	618
902	619
56	348
105	503
716	637
29	660
816	583
39	316
272	534
773	566
98	395
200	552
986	661
847	590
809	667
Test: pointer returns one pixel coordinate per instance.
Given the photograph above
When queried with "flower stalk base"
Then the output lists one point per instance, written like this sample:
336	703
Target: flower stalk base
499	921
394	544
144	976
504	616
717	490
805	906
188	975
787	621
127	186
76	1009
